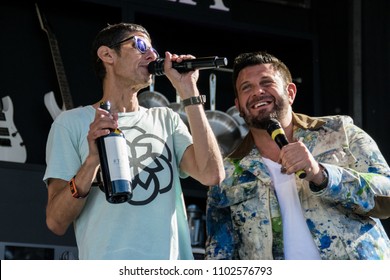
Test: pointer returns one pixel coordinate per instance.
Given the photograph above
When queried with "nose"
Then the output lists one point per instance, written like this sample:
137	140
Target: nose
152	54
258	90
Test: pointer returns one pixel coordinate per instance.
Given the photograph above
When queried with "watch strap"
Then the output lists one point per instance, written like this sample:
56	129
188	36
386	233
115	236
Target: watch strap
195	100
323	184
73	189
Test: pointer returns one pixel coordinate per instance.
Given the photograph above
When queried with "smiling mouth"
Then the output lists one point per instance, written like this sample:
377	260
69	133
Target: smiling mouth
260	104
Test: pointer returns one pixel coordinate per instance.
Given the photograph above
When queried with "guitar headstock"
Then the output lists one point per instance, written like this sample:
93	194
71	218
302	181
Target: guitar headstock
42	20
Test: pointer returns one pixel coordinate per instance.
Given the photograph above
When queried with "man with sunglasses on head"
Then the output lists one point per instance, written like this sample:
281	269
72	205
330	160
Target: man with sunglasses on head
297	187
152	224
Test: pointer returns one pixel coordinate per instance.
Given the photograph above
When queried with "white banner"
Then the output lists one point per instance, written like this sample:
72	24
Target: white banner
199	270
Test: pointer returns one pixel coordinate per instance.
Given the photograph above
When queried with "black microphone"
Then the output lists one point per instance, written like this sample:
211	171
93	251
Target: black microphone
157	67
277	134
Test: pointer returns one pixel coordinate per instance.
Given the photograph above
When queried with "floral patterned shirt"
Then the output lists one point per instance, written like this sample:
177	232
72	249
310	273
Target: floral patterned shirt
243	215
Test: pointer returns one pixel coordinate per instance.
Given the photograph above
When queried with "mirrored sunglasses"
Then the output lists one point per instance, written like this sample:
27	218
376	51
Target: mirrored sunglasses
140	45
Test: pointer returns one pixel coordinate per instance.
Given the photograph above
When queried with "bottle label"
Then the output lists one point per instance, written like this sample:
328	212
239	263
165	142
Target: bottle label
118	160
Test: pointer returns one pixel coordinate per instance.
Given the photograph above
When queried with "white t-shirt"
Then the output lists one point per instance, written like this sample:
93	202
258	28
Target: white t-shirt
153	225
297	240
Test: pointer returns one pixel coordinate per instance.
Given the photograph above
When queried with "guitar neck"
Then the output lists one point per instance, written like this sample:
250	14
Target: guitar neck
60	71
59	66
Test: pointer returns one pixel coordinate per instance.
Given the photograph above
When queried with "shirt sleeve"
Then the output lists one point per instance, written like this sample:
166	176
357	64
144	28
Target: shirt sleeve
64	152
363	185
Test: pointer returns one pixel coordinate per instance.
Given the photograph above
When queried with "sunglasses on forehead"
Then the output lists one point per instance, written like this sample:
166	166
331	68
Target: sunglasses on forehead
140	45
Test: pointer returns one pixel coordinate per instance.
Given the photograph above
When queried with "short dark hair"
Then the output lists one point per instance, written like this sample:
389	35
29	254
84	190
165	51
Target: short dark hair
261	57
108	36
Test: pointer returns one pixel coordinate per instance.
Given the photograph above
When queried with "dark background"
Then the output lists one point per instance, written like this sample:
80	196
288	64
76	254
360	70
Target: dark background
337	51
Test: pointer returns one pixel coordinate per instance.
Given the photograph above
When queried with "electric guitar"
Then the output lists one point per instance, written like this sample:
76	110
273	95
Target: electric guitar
12	147
49	98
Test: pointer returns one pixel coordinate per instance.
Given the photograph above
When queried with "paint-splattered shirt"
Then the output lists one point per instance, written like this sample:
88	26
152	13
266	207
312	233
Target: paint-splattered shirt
243	215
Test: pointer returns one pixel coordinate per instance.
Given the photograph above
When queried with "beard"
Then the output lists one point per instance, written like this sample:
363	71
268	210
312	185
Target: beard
262	118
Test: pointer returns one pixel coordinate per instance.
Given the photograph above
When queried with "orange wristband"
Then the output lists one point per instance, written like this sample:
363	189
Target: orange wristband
73	189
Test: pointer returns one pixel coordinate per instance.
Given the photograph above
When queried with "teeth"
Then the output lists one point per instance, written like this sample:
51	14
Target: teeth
260	104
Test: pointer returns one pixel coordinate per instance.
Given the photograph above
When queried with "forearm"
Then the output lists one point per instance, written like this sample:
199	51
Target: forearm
62	208
208	165
359	176
361	193
208	157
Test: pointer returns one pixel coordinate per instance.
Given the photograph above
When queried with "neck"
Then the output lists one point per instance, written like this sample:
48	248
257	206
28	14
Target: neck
122	93
121	101
266	145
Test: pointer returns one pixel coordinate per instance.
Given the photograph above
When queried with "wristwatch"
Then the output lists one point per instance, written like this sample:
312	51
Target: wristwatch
323	184
195	100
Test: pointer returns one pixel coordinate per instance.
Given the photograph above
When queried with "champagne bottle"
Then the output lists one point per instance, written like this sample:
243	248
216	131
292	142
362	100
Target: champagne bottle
114	164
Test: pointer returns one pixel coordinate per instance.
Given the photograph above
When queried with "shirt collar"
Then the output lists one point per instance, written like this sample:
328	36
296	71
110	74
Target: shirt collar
299	120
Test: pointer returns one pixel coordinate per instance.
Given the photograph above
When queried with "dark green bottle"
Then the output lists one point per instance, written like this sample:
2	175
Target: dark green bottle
114	164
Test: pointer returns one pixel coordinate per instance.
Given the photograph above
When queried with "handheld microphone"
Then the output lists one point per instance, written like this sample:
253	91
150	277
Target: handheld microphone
276	132
157	67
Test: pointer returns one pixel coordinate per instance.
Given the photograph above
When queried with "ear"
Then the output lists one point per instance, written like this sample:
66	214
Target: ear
238	107
105	54
236	103
292	92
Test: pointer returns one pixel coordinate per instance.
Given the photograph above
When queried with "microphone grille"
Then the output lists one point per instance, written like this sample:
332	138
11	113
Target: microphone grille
156	67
